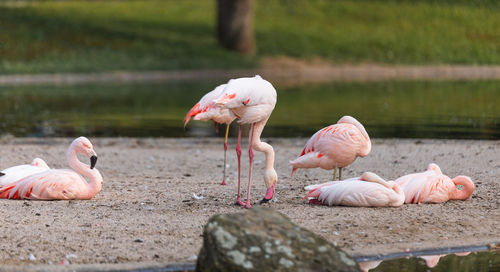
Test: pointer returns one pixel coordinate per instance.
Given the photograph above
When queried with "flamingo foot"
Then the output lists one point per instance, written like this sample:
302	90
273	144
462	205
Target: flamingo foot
269	195
239	202
315	201
223	182
247	205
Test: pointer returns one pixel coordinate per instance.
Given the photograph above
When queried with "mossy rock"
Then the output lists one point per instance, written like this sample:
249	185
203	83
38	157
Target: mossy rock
262	239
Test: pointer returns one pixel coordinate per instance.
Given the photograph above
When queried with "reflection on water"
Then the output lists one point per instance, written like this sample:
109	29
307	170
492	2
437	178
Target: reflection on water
459	261
459	109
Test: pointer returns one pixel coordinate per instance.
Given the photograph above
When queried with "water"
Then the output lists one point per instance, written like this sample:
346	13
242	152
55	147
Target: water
401	109
467	259
462	259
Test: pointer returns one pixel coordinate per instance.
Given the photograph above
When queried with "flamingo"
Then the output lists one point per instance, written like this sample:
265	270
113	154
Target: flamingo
432	186
367	266
60	183
369	190
17	172
206	110
335	146
252	101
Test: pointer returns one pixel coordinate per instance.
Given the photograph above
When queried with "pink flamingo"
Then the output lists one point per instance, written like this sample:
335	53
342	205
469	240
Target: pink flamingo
335	146
60	183
432	260
369	190
206	110
432	186
15	173
252	101
366	266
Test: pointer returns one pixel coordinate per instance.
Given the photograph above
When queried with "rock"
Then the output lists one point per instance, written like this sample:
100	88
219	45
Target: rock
262	239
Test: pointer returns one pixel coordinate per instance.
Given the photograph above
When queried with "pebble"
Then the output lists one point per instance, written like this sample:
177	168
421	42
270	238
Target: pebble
71	256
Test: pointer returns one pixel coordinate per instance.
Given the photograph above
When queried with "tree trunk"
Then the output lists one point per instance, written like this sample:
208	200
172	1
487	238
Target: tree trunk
234	25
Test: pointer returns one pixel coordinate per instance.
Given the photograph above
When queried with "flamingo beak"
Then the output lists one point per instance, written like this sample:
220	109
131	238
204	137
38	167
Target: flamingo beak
2	174
93	161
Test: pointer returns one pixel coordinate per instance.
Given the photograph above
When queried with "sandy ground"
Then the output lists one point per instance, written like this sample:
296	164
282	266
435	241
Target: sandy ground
146	212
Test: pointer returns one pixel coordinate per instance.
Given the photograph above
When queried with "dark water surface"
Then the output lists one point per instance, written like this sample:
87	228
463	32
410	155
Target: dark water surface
476	259
459	261
401	109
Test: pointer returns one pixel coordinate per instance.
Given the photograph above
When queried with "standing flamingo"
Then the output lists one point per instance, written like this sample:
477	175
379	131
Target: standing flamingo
15	173
335	146
369	190
252	101
60	183
432	186
206	110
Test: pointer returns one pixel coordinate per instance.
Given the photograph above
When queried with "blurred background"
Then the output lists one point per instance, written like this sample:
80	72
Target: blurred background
53	39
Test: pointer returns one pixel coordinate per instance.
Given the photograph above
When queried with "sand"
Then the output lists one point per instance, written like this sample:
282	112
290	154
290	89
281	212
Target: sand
147	214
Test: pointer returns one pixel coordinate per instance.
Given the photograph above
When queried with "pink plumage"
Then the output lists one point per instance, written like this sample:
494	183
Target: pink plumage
432	186
206	109
252	100
60	183
369	190
15	173
335	146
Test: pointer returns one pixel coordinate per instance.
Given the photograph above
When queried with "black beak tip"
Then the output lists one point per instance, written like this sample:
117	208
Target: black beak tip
2	174
93	161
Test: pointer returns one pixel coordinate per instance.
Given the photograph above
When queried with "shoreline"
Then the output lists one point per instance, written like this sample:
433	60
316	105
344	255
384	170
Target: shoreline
285	72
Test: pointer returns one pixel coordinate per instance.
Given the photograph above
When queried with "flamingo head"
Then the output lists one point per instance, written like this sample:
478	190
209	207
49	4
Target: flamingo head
37	162
270	177
84	146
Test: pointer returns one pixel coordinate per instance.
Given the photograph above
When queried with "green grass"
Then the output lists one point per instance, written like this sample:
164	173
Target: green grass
93	36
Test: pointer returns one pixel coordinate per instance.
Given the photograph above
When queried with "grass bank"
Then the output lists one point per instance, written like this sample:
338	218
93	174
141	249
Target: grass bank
94	36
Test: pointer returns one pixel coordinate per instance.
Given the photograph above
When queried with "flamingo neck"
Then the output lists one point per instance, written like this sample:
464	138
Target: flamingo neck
262	146
95	184
270	176
367	147
468	189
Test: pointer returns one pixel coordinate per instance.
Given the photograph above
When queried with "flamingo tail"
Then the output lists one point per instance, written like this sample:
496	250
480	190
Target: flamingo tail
5	192
309	160
468	189
195	110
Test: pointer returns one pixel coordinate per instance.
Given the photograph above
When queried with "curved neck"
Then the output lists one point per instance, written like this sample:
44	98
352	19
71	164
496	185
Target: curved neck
262	146
95	184
468	189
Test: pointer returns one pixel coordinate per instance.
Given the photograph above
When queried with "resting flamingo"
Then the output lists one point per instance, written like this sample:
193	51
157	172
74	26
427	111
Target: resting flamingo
252	101
15	173
335	147
206	110
60	183
369	190
432	186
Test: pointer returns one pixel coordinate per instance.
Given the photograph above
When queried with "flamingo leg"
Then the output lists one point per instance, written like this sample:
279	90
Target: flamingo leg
225	149
340	173
238	153
335	173
250	156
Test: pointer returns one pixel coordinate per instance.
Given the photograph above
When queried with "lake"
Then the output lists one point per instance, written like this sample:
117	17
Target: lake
393	109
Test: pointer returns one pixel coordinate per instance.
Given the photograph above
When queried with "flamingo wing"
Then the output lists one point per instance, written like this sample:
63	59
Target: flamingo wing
356	192
205	109
47	185
15	173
